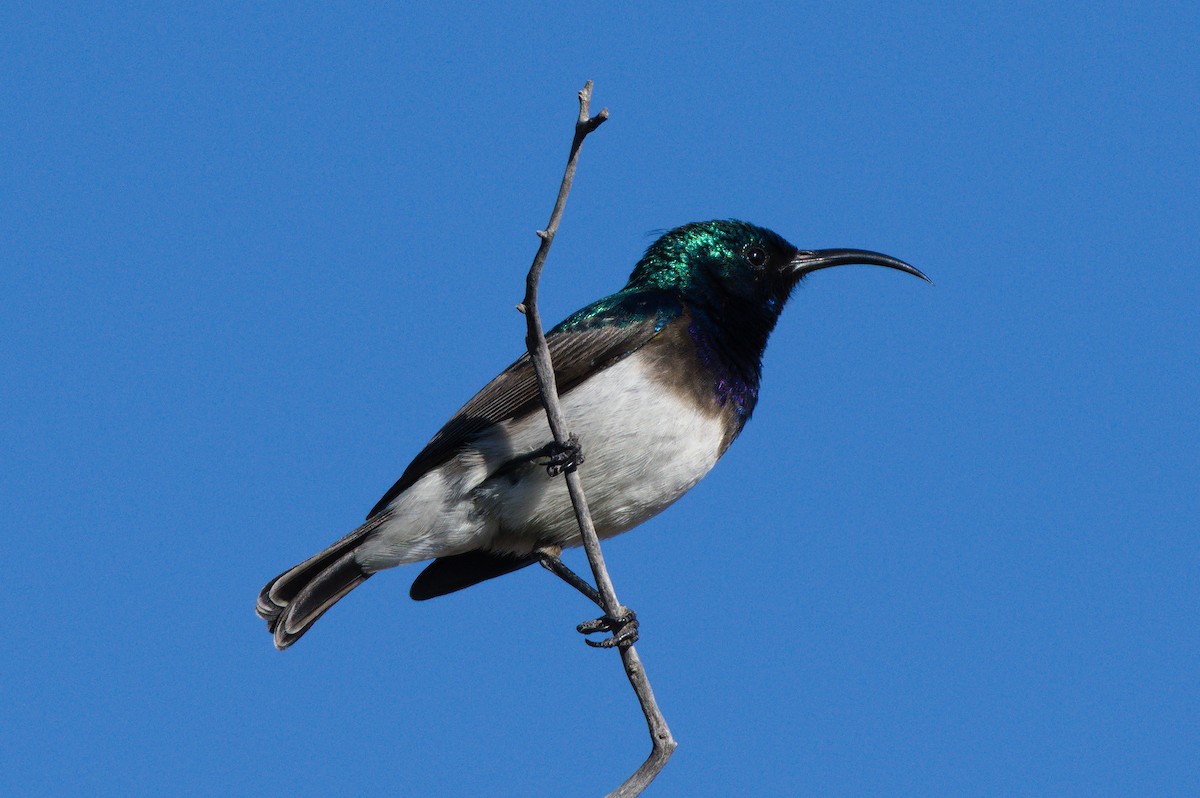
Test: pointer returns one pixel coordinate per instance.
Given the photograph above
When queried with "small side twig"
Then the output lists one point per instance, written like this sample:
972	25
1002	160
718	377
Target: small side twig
663	744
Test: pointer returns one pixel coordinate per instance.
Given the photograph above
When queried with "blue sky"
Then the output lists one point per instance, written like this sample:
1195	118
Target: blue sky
253	258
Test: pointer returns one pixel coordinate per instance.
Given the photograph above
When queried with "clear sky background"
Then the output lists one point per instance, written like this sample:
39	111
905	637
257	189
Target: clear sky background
252	259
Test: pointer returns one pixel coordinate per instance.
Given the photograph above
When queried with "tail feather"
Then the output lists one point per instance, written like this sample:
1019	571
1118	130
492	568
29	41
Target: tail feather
293	601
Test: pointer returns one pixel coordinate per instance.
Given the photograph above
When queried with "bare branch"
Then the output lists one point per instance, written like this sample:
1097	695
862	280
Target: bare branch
663	744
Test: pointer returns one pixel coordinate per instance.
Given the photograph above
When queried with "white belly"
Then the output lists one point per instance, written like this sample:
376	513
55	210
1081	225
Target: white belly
643	447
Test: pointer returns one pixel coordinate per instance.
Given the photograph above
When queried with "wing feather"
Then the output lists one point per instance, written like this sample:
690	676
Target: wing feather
590	340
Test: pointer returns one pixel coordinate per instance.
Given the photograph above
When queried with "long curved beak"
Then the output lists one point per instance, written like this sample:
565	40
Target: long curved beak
811	260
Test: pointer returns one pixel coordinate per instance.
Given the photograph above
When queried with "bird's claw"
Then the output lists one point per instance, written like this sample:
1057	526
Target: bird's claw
559	458
623	628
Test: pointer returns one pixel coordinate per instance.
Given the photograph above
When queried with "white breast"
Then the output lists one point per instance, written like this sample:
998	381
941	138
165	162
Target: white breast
644	447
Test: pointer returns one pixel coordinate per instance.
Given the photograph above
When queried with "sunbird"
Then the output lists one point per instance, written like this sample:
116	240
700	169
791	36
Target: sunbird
656	382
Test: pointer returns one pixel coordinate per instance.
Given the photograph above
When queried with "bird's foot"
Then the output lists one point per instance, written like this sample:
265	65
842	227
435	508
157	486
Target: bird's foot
558	458
623	628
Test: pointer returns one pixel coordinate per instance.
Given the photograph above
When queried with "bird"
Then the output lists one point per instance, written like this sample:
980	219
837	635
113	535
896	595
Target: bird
656	381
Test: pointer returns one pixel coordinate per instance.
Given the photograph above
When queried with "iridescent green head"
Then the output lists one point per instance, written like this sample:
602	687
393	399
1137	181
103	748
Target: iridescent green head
736	262
734	255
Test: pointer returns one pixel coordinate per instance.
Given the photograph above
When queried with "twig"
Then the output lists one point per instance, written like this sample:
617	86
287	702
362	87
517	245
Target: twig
663	744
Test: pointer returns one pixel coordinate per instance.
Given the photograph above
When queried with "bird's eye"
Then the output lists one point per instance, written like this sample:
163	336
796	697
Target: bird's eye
757	256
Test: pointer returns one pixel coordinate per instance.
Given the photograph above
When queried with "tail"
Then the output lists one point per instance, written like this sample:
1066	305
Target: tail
294	600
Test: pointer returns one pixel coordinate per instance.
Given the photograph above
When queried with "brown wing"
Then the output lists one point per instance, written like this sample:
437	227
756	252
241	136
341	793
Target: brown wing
576	354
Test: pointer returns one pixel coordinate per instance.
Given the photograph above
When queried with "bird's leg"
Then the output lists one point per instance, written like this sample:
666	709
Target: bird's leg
624	628
548	556
558	457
